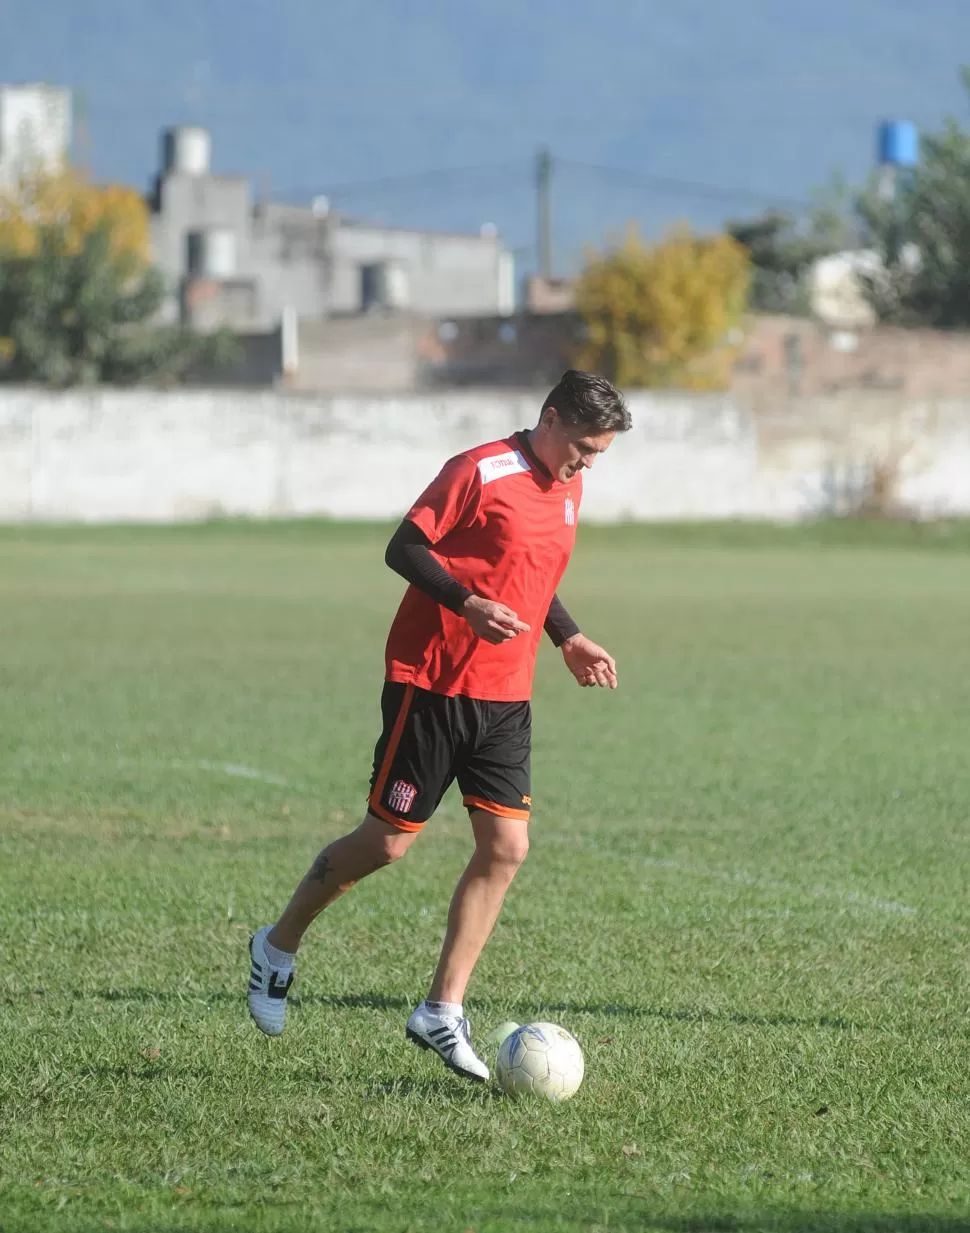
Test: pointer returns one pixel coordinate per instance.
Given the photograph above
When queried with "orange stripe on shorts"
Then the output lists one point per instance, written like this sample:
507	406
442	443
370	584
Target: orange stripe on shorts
500	811
392	746
401	824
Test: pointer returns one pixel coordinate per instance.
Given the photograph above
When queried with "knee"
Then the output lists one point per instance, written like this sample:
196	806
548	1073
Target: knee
390	848
379	844
508	849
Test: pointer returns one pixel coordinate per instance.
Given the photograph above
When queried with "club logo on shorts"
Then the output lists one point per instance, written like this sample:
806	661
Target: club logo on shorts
401	796
570	512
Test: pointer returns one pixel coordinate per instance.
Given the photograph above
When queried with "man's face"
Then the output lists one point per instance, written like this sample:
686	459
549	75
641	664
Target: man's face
572	447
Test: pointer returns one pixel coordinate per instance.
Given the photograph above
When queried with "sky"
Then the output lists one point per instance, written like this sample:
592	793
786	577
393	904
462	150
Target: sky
429	113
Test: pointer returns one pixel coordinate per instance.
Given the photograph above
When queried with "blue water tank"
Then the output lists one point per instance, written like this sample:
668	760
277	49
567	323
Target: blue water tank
898	144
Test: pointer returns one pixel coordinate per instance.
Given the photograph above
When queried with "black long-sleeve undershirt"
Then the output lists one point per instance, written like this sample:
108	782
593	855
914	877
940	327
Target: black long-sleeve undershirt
559	625
409	554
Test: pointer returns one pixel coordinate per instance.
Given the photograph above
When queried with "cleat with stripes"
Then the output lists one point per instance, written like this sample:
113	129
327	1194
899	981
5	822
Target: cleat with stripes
268	987
450	1037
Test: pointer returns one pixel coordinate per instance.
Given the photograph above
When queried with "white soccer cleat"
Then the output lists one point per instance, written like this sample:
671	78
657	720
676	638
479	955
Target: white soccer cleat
450	1037
268	987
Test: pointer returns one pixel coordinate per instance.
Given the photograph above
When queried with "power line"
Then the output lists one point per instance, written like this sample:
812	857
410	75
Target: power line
443	176
689	188
420	179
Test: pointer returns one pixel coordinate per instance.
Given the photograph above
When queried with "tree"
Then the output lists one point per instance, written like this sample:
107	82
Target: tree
69	202
663	316
783	250
78	297
921	235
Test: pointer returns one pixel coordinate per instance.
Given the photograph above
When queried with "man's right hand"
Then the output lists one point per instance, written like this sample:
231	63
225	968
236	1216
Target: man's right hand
492	621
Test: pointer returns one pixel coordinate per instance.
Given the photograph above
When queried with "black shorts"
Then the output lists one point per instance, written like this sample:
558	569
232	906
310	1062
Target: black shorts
429	740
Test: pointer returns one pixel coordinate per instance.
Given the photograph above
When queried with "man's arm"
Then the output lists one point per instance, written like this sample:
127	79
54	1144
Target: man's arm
585	659
559	625
409	554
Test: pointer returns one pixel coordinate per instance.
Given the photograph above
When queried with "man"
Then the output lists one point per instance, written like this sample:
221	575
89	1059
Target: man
483	548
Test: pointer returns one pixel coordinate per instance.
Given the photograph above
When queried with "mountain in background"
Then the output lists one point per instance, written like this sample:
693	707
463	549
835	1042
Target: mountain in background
736	104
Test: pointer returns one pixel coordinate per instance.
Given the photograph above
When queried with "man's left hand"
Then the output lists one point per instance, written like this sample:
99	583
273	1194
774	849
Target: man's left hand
589	663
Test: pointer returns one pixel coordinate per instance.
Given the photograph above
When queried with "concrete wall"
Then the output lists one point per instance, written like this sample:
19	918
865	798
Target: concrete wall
376	354
779	357
292	262
444	274
291	258
282	254
137	455
258	363
35	130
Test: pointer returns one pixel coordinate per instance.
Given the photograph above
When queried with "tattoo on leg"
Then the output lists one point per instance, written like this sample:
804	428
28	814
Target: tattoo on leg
321	867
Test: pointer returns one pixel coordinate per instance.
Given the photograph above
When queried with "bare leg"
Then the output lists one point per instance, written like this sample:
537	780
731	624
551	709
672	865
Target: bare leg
501	845
345	861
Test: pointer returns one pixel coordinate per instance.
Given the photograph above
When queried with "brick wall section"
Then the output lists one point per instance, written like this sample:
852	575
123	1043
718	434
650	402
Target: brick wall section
912	363
780	357
528	350
359	353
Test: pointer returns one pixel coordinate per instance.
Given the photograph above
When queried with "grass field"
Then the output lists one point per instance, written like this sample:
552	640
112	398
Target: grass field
747	894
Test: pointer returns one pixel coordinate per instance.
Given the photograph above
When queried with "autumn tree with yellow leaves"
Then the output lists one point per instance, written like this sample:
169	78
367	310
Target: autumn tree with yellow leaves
78	294
67	201
664	316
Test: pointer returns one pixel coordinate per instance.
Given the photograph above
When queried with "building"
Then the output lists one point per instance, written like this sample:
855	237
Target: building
837	289
545	295
35	130
232	260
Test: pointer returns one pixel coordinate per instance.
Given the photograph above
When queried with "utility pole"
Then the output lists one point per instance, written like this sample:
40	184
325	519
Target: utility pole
544	212
82	130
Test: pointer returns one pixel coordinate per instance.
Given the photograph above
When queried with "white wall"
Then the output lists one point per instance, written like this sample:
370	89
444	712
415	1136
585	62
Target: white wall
445	274
35	130
133	455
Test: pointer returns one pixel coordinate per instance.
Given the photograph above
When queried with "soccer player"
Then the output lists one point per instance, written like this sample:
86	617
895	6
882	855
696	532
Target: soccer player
483	548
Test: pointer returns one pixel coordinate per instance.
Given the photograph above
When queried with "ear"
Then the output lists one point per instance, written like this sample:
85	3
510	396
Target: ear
549	418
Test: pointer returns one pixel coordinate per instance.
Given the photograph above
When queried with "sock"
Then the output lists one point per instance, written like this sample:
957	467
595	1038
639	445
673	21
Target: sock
445	1008
278	958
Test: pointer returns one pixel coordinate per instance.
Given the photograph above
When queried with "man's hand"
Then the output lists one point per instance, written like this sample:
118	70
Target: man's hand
492	621
589	663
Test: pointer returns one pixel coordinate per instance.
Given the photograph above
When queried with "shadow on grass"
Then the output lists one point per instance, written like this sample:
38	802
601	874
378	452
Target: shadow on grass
628	1215
381	1001
364	1001
439	1088
806	1223
632	1214
812	1222
620	1011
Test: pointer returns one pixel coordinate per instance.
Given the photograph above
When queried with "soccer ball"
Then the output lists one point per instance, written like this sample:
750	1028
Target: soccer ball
540	1059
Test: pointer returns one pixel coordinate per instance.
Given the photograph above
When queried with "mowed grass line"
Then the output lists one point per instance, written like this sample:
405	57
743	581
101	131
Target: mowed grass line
746	896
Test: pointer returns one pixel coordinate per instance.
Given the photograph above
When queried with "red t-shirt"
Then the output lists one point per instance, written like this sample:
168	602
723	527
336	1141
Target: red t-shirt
505	528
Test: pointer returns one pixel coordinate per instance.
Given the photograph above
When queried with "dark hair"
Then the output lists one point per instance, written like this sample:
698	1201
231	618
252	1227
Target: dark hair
586	400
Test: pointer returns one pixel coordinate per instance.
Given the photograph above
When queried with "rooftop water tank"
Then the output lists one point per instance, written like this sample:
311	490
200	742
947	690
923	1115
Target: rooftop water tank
186	151
898	144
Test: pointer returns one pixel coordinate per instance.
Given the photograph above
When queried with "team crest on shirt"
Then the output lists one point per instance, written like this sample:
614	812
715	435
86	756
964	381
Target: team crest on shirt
570	512
401	796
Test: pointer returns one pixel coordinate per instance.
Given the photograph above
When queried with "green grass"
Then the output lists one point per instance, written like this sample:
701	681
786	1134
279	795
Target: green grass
747	894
